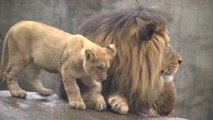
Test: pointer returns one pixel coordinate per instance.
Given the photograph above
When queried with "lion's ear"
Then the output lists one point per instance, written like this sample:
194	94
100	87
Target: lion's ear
146	29
89	54
111	50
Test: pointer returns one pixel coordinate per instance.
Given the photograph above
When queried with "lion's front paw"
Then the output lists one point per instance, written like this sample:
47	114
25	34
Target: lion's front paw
77	104
118	104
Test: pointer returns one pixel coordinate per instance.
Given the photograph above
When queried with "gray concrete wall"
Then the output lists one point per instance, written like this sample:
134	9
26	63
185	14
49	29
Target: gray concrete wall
191	33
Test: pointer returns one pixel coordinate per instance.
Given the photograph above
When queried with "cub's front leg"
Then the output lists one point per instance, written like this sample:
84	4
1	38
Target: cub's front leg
72	90
93	97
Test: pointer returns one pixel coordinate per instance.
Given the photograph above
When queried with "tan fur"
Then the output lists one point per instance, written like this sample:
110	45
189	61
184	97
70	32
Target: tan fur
144	60
166	101
34	46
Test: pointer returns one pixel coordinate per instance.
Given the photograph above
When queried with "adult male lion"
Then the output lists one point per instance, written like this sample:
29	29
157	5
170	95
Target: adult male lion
140	77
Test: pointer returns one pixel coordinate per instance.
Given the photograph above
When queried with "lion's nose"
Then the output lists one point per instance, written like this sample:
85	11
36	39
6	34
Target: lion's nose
180	59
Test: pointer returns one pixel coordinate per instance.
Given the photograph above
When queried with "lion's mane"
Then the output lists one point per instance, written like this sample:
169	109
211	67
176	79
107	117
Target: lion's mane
134	72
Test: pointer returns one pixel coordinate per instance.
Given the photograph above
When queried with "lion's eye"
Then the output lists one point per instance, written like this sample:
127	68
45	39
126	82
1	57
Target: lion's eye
167	44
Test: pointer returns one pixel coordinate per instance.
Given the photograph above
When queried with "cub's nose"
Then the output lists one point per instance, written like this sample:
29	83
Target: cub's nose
180	61
104	77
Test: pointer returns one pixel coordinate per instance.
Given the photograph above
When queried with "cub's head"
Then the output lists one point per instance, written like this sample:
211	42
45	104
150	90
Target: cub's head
97	61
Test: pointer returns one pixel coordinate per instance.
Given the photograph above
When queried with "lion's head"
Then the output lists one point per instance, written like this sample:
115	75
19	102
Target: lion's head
144	53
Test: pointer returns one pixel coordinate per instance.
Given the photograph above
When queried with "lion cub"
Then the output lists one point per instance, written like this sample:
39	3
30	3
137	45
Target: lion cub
35	46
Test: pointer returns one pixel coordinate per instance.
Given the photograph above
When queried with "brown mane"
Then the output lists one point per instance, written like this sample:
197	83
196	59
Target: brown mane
135	71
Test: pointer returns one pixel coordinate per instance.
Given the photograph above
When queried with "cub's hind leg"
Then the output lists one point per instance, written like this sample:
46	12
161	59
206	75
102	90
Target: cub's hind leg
11	74
32	77
15	62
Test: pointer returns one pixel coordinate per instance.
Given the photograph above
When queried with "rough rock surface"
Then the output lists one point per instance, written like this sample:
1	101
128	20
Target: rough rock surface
36	107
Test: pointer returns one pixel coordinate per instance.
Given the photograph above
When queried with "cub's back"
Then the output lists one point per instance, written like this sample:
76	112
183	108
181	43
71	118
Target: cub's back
44	43
33	29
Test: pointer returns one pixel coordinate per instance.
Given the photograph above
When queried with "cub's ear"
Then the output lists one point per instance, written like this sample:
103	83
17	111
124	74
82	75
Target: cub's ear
146	29
111	49
89	54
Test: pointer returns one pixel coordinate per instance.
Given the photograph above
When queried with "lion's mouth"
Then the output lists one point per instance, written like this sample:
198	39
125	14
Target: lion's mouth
168	74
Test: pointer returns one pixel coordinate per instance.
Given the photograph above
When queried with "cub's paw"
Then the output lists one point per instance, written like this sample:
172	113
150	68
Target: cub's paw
118	104
18	93
77	104
100	104
45	92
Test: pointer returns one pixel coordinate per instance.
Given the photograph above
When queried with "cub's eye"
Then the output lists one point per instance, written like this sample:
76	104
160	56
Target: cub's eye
99	68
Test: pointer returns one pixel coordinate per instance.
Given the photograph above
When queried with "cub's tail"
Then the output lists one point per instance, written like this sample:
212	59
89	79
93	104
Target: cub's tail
4	59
